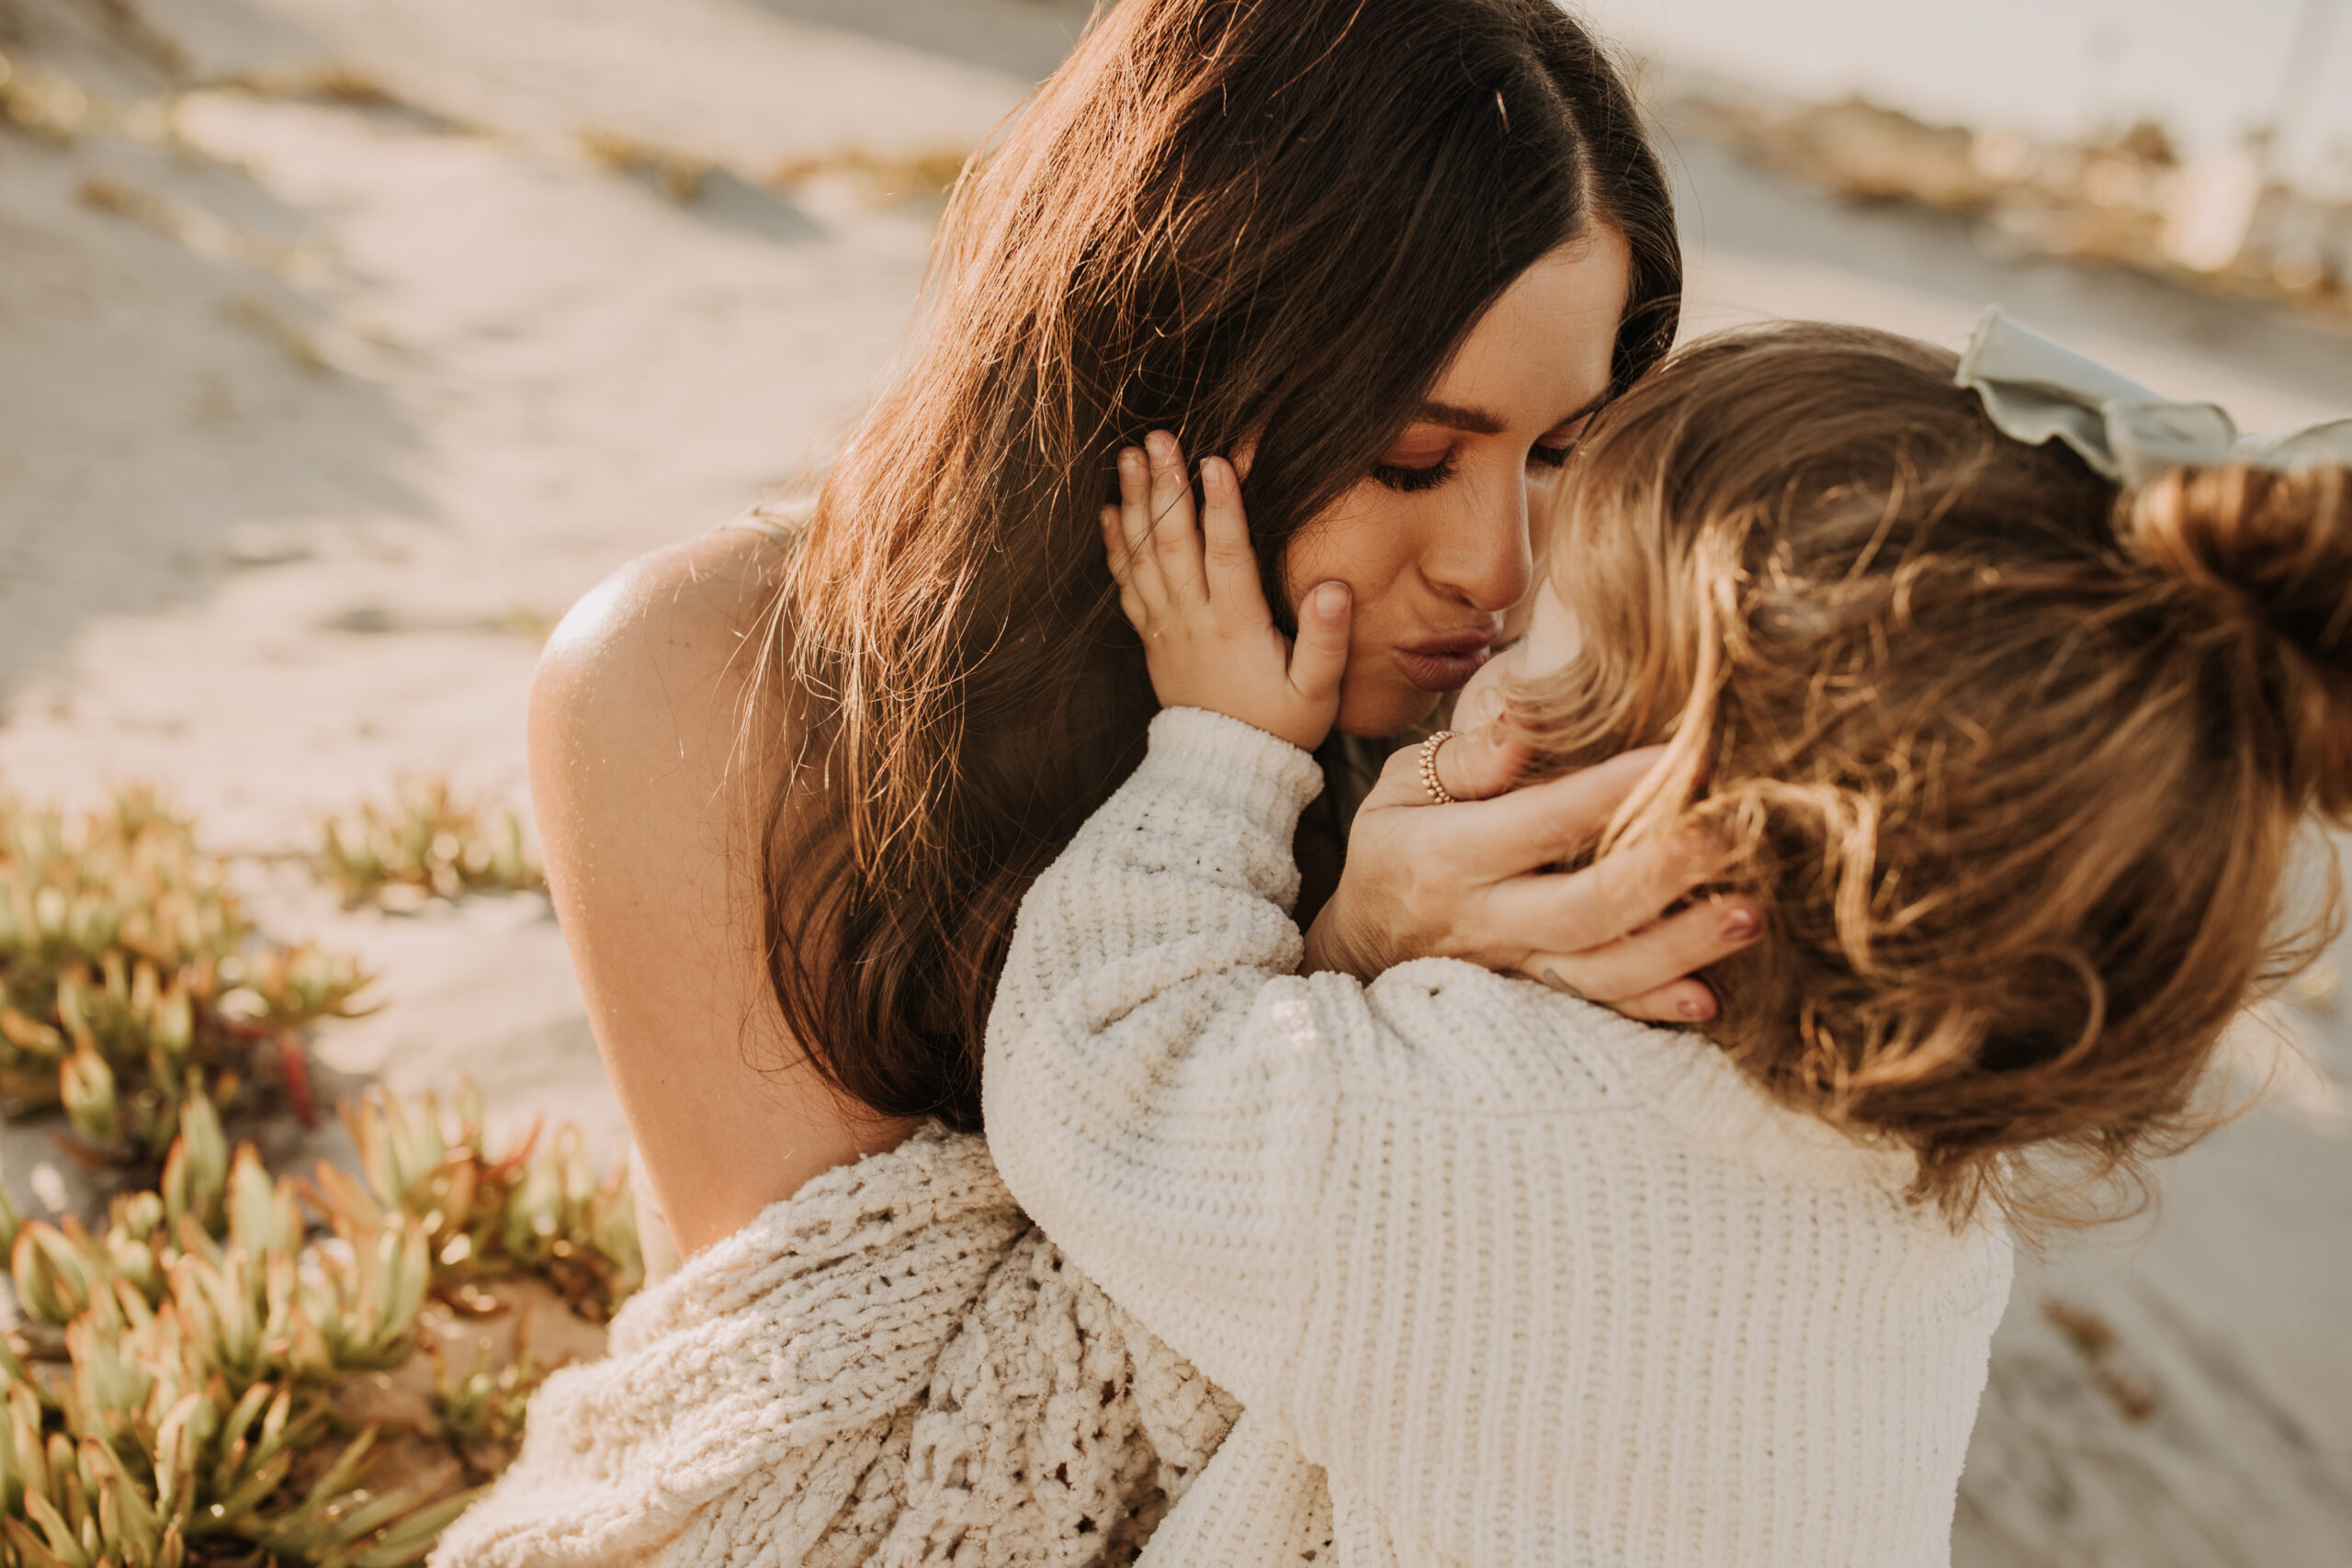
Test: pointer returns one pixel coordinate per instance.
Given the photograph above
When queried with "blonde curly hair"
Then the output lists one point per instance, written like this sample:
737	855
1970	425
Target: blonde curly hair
2013	761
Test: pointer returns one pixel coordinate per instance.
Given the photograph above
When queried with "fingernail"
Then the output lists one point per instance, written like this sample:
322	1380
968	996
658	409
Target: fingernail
1697	1009
1741	924
1332	599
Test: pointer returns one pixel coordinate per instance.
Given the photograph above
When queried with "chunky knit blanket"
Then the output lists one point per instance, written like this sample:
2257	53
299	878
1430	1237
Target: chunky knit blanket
893	1368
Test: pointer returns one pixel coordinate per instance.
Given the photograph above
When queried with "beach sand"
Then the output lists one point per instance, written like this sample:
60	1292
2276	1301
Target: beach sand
322	397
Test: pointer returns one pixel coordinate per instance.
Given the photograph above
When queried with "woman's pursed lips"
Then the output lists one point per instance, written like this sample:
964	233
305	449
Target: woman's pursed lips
1445	662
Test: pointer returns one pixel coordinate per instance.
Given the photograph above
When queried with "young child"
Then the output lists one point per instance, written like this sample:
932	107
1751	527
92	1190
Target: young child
2010	755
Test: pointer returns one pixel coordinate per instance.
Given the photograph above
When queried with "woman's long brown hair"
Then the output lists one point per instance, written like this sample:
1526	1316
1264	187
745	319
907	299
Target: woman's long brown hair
1272	219
2016	759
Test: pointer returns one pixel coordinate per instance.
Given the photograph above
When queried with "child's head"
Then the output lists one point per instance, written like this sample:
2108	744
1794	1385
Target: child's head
2014	758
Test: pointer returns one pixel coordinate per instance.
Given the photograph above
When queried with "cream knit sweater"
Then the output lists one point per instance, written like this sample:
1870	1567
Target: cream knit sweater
891	1369
1499	1277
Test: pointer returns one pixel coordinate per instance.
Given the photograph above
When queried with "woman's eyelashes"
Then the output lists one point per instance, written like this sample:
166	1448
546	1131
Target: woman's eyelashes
1421	471
1555	450
1409	477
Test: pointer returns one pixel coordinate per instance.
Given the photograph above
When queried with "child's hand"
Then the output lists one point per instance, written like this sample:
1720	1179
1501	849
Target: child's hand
1207	633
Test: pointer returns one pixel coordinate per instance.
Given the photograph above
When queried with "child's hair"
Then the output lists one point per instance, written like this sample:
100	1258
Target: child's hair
2014	758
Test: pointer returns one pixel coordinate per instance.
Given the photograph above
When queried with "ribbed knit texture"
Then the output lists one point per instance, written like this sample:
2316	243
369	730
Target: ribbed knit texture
1515	1280
893	1368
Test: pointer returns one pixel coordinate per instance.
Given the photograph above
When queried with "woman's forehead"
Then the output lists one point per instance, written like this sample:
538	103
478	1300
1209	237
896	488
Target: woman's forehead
1542	352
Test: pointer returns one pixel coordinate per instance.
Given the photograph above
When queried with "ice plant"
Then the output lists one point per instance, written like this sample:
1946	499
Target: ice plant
130	982
200	1411
428	843
230	1366
530	1211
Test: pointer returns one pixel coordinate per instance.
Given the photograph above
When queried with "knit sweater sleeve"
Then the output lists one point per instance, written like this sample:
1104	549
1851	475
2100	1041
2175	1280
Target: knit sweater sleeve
1159	1090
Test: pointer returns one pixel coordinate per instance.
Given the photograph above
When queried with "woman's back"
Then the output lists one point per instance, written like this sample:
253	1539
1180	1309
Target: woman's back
647	809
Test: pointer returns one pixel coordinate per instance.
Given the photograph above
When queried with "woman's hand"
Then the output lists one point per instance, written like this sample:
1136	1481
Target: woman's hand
1193	594
1469	881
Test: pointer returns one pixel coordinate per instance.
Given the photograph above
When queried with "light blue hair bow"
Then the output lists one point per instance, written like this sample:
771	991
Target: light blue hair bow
2036	391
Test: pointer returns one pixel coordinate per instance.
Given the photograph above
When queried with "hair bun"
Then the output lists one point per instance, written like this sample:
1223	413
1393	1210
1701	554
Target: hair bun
2269	556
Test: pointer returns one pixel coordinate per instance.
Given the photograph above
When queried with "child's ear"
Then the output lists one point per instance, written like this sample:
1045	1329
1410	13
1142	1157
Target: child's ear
1482	706
1481	703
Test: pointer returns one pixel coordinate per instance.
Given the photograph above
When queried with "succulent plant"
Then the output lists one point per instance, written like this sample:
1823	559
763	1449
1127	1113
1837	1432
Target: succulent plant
428	843
533	1211
131	983
216	1334
230	1366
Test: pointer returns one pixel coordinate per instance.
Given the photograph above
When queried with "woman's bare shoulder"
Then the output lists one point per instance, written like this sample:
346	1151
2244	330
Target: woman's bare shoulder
648	817
661	645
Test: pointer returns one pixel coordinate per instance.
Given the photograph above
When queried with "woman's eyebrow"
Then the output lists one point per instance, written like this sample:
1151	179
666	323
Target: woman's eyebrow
1480	421
1454	416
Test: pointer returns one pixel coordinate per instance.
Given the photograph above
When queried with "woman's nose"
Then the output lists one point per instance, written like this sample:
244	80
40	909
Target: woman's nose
1481	555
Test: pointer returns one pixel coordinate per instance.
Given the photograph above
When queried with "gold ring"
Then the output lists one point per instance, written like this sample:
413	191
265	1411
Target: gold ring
1438	792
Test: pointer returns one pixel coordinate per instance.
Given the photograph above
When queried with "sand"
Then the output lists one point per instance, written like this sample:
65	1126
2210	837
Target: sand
314	414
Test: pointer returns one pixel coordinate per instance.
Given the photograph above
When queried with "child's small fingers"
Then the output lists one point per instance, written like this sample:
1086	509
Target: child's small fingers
1233	582
1318	656
1134	498
1684	1002
1114	544
1135	524
1175	537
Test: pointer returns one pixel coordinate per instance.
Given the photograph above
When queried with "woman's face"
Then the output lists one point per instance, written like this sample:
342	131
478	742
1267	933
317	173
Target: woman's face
1433	544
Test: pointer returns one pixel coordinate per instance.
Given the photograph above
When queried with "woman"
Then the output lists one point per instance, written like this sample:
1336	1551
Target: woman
1231	221
793	784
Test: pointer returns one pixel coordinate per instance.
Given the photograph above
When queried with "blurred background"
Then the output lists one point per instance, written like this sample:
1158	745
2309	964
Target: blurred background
343	342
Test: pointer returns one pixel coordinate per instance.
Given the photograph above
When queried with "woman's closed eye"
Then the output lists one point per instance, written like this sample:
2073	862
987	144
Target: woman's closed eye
1557	447
1416	462
1410	477
1411	466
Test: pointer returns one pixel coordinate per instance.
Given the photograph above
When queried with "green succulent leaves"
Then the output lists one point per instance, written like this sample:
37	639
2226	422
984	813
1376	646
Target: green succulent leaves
232	1366
428	843
212	1328
130	983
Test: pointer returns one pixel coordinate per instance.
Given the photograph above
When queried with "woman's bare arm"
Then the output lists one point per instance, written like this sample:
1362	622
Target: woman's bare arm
645	823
